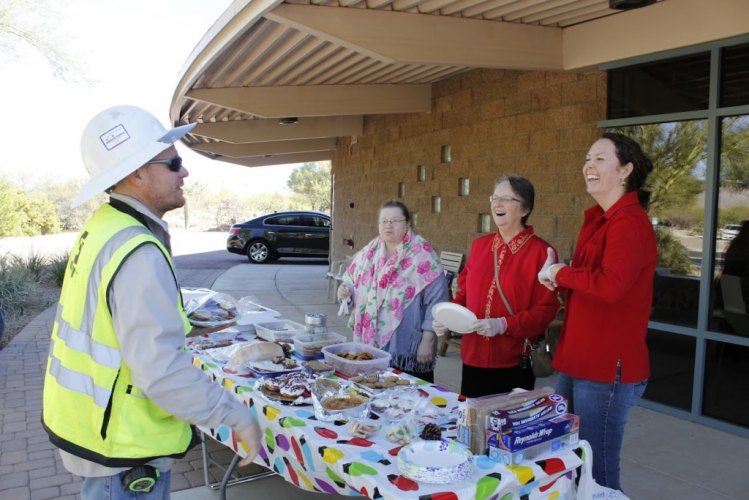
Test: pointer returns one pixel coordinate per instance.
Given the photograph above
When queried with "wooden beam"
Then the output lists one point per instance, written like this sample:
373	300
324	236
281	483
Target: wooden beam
264	161
320	100
656	28
400	37
266	148
241	131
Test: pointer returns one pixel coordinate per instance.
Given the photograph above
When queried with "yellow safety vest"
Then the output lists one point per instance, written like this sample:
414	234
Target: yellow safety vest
91	407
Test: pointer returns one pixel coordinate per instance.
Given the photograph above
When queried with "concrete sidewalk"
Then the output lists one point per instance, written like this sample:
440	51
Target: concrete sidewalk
663	458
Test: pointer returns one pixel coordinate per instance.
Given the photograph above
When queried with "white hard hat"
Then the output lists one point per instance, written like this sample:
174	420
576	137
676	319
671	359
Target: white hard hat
119	140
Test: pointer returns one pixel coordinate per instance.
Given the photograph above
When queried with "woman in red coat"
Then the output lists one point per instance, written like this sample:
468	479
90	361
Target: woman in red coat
602	357
519	308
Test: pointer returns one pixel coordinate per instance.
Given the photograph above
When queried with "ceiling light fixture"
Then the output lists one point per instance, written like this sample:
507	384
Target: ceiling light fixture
629	4
288	120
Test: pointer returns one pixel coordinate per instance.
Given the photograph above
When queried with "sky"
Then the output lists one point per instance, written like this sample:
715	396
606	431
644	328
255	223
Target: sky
131	52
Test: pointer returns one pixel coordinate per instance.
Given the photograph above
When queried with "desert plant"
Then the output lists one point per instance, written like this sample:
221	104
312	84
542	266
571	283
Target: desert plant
16	284
56	267
34	262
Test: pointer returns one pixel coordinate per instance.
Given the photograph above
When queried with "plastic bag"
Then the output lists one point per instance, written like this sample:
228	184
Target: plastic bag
210	309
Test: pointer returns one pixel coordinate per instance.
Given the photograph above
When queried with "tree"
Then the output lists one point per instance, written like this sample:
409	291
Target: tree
312	181
23	215
31	23
734	158
676	150
60	195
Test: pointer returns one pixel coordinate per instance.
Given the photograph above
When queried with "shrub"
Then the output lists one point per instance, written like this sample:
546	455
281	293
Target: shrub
671	253
24	215
16	284
57	266
34	263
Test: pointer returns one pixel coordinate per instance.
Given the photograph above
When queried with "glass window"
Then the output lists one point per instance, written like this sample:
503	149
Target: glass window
734	79
671	369
321	222
730	288
286	220
654	88
677	208
726	383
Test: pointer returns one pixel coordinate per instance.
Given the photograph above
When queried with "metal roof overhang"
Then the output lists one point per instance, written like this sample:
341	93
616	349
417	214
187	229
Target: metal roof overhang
329	63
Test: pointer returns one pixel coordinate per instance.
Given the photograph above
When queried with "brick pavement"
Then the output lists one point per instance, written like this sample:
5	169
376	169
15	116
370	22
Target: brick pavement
30	468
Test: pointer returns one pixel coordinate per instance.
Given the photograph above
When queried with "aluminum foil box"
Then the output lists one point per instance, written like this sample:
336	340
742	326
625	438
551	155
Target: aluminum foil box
551	446
526	436
532	410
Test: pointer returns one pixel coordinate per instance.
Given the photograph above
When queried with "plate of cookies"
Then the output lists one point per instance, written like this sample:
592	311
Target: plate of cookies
289	389
379	381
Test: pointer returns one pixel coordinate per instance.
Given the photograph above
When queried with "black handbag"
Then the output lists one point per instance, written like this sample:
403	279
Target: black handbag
540	356
541	352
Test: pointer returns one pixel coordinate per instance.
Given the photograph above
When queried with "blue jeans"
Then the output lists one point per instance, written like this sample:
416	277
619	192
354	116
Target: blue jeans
603	409
110	488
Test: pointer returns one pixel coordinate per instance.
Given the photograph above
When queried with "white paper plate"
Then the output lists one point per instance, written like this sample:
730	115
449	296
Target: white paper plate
437	462
454	316
270	367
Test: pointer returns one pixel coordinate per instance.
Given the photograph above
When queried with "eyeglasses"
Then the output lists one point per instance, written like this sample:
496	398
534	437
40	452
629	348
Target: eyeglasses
174	163
502	199
387	222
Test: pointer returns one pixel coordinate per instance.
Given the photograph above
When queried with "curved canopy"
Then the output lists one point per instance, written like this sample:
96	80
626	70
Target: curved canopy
277	82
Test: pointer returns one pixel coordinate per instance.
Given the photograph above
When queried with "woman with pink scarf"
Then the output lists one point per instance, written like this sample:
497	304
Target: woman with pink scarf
391	286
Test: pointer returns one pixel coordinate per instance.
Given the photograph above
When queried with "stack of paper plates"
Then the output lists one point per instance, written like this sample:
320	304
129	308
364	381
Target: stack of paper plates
436	462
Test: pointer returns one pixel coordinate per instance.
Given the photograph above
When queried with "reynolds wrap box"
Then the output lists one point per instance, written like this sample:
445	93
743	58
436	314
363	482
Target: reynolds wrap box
530	411
520	438
472	414
554	445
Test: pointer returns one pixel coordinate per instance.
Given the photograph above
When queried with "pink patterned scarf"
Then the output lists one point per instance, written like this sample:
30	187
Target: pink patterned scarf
383	288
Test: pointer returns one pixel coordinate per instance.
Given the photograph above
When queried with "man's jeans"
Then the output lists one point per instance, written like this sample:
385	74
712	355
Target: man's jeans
110	488
603	409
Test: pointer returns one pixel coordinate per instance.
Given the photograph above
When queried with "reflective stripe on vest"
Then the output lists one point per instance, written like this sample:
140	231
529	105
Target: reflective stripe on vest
78	382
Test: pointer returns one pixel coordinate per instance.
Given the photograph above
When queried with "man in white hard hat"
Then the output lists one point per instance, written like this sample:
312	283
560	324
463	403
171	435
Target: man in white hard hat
121	395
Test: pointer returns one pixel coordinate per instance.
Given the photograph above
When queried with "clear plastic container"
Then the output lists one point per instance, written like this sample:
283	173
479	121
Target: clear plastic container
310	346
350	367
281	330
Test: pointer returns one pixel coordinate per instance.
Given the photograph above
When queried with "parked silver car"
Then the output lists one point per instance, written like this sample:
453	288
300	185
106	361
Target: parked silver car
729	231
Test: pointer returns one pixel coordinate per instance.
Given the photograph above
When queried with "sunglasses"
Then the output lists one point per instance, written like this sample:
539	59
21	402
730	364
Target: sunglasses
174	163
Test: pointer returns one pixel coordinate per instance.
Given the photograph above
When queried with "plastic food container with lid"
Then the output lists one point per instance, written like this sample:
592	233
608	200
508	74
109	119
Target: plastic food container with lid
310	346
375	360
281	330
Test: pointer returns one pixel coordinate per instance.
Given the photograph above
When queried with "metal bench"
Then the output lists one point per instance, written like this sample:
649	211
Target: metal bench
452	263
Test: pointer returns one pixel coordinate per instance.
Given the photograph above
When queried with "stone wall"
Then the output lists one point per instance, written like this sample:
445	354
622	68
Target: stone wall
535	124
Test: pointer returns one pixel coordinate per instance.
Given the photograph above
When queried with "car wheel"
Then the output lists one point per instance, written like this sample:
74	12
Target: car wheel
258	252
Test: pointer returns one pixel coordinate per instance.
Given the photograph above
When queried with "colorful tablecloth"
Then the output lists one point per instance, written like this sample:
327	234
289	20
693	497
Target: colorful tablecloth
324	457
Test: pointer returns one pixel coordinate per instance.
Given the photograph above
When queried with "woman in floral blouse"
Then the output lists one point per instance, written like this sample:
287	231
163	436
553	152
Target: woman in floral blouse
392	284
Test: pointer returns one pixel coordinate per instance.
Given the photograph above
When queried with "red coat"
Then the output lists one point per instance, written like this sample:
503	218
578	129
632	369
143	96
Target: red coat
533	304
609	294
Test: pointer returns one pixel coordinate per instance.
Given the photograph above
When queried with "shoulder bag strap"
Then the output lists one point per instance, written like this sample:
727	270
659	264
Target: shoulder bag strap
499	287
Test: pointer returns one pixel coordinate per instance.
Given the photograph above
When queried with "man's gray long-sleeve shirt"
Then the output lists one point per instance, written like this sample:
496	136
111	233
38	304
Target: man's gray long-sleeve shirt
151	335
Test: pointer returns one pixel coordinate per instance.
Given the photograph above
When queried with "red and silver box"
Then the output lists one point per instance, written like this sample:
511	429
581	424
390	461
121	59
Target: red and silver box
526	413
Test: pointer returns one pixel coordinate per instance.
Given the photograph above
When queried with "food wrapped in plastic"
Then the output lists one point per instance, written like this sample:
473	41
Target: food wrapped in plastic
210	309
